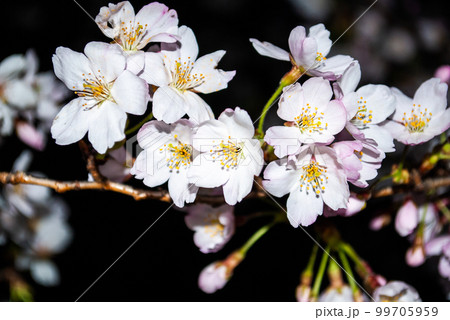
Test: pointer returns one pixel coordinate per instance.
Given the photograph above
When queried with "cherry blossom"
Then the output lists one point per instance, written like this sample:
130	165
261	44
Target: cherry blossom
312	178
213	277
229	157
418	120
179	76
213	226
311	116
440	246
153	23
308	52
396	291
167	156
106	92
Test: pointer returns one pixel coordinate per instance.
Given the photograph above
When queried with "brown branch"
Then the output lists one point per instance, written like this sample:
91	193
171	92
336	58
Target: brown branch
426	185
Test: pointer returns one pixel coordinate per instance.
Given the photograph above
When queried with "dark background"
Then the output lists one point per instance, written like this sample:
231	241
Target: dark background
164	264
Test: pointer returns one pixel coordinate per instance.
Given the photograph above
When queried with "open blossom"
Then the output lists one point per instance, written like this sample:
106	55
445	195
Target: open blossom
213	226
179	76
367	107
167	156
396	291
229	157
341	294
418	120
153	23
308	52
312	178
107	92
311	116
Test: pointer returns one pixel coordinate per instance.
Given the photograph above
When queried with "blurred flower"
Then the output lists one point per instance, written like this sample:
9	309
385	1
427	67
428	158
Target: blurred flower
115	168
354	206
418	120
179	76
443	73
213	226
379	222
407	218
398	46
440	246
396	291
341	294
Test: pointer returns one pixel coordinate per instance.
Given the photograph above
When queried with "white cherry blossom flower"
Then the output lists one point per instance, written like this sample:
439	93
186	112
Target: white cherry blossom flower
396	291
367	108
213	226
312	178
107	92
229	157
167	156
153	23
311	116
341	294
308	52
418	120
179	76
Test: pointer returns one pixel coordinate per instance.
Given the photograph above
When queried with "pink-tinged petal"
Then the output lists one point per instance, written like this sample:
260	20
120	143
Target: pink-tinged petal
20	94
168	104
291	102
303	49
367	173
382	137
269	50
30	135
165	37
432	94
334	117
155	72
303	207
213	277
317	92
106	126
109	18
207	173
285	140
399	132
354	205
106	60
444	267
332	68
131	93
238	185
213	79
158	19
189	46
322	37
439	123
415	256
434	247
71	67
71	123
180	190
238	122
350	78
378	99
350	102
380	222
197	109
407	218
403	104
443	73
280	179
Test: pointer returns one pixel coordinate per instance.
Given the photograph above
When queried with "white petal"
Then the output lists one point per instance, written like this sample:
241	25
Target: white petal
207	173
291	102
168	104
20	94
269	50
303	207
12	66
238	185
332	68
350	78
381	136
107	60
380	101
285	140
189	46
71	123
106	126
155	72
403	104
131	93
135	62
180	190
112	16
322	37
317	92
280	179
214	79
71	67
432	94
197	109
238	123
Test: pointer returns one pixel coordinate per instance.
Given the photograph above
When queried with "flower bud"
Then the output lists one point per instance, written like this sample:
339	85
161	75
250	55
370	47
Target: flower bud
443	73
380	222
415	256
396	291
407	218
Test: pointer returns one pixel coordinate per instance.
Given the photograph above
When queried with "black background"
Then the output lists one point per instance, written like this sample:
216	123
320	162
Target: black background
164	264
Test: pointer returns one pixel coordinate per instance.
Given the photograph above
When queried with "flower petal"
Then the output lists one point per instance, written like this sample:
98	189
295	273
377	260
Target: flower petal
303	207
238	123
155	72
131	93
269	50
432	94
71	123
168	104
279	179
107	60
71	67
197	109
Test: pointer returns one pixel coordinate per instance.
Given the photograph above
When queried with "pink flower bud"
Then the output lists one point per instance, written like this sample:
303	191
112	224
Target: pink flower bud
415	256
407	218
30	135
213	277
443	73
380	222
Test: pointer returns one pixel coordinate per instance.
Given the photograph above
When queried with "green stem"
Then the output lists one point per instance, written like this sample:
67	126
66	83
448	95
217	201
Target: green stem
351	253
256	236
140	124
320	273
443	208
312	260
267	107
348	271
